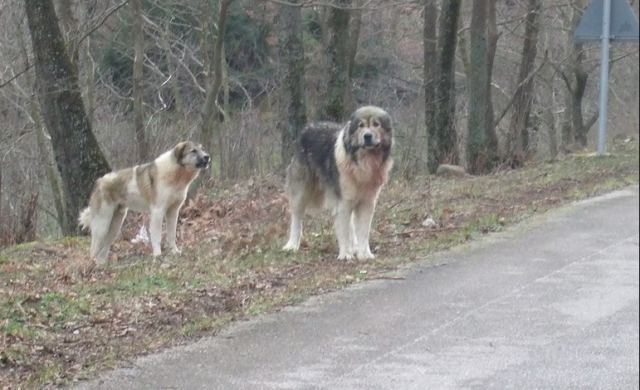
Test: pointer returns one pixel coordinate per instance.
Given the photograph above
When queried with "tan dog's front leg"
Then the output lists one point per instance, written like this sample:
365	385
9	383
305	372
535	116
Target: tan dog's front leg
155	230
172	226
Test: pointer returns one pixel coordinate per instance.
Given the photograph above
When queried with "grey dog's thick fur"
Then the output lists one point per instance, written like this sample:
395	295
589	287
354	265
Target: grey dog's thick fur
343	168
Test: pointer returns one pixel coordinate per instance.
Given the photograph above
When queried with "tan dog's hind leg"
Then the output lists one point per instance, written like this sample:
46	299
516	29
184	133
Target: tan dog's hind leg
100	223
297	206
114	228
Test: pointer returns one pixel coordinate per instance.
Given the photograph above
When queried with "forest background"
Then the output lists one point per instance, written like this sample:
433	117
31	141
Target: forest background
486	84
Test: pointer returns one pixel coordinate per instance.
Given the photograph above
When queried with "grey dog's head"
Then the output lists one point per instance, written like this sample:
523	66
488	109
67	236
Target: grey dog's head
369	129
191	154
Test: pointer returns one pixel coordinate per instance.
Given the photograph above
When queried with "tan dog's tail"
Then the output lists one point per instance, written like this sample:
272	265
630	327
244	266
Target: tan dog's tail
85	218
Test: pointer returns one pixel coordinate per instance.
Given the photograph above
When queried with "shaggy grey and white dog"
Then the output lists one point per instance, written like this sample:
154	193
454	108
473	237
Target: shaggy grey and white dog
159	188
342	168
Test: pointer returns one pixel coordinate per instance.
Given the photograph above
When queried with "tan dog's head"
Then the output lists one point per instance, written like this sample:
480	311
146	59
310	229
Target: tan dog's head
191	154
369	129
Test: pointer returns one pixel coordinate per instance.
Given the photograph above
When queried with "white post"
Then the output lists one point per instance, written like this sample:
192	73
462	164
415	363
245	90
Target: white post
604	76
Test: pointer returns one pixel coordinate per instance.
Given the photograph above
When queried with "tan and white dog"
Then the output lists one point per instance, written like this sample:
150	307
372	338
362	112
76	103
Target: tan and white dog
159	188
342	168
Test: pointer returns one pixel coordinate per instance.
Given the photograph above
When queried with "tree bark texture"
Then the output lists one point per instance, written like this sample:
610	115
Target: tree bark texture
77	153
138	67
176	95
355	23
53	176
479	159
337	57
492	46
210	108
69	28
429	76
294	108
446	142
575	78
518	138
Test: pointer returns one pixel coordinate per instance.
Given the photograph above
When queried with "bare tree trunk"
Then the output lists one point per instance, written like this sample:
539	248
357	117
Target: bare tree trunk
294	108
53	176
78	156
480	158
548	112
430	61
28	219
445	87
2	223
550	104
579	86
211	109
492	45
224	147
69	27
574	129
518	139
352	50
138	67
575	77
50	169
86	63
336	53
90	79
175	86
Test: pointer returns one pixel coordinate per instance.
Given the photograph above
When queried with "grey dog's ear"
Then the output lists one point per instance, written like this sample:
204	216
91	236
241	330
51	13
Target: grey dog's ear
385	120
178	150
353	123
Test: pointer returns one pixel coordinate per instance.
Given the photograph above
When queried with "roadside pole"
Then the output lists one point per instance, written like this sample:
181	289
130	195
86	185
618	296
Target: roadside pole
604	76
606	22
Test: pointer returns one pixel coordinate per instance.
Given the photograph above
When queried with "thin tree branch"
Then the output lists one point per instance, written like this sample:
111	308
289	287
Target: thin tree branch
365	6
15	76
99	24
513	98
77	43
591	121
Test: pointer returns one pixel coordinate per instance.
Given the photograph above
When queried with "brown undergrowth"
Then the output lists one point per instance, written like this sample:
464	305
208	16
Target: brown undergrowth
63	319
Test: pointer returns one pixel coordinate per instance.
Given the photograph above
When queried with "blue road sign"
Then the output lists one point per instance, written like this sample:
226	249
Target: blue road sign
623	25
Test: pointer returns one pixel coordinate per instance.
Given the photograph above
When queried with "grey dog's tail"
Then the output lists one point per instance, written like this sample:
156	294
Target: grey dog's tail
85	218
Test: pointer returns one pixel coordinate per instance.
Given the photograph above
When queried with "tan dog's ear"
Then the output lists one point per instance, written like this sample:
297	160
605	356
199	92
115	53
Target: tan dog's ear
178	150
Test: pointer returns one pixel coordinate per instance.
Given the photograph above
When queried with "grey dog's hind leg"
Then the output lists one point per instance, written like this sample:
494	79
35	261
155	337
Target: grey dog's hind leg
298	191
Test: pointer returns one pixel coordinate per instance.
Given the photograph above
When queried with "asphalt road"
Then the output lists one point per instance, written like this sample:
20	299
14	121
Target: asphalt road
550	304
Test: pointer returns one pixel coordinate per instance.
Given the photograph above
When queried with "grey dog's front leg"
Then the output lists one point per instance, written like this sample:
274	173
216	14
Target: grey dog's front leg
363	215
344	231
